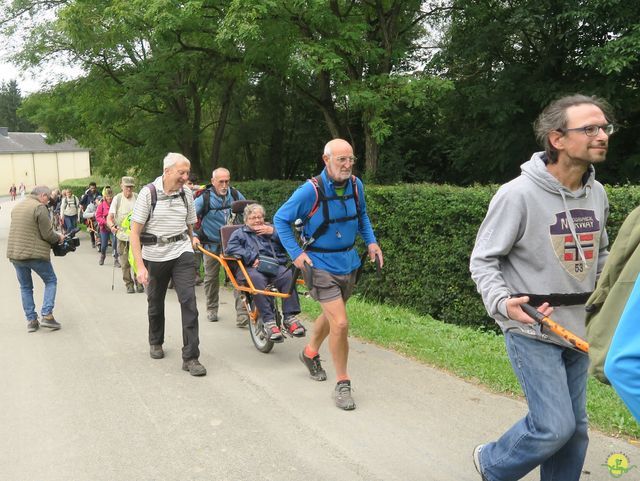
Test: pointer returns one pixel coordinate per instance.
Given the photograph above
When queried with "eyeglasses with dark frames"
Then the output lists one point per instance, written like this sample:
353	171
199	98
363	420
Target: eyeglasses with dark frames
592	130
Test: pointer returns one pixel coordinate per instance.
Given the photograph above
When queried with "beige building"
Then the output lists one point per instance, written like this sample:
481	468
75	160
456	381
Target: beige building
27	158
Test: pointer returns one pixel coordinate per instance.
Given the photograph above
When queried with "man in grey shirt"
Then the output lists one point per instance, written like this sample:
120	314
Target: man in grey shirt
162	243
543	242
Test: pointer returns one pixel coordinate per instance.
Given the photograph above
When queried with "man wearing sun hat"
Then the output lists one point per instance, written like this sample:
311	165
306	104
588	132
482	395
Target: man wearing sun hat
121	206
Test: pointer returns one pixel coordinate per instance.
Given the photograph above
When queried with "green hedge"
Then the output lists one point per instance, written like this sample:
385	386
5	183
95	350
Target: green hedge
79	186
427	233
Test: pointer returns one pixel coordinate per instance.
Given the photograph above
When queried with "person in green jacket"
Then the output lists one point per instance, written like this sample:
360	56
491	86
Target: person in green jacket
29	249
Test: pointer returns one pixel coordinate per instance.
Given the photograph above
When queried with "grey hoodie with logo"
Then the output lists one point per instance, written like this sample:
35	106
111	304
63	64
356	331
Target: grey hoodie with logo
540	238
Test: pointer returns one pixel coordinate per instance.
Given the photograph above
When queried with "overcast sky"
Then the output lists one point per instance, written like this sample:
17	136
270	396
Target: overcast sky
26	82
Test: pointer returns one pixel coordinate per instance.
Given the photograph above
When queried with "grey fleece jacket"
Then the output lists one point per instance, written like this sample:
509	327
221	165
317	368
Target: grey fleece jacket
540	238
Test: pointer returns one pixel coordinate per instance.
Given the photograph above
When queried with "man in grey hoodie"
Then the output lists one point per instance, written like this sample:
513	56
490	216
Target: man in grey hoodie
543	241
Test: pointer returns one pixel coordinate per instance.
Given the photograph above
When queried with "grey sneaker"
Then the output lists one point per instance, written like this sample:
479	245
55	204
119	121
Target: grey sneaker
33	326
342	396
194	367
313	365
242	322
131	289
156	352
476	460
294	326
139	288
272	332
212	316
116	263
50	322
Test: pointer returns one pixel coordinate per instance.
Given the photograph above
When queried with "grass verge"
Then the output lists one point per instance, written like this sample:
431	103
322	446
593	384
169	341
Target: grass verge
471	354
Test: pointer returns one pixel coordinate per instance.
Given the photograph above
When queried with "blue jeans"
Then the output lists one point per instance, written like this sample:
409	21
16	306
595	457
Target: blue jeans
70	222
104	242
553	434
45	270
282	282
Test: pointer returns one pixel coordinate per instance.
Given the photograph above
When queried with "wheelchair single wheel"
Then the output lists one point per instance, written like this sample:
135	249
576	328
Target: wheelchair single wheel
259	336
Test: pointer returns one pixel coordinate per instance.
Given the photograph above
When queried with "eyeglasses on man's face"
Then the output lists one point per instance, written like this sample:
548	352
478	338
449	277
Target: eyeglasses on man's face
344	159
593	130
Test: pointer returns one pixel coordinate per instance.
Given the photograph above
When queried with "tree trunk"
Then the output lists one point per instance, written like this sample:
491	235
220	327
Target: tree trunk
371	146
225	107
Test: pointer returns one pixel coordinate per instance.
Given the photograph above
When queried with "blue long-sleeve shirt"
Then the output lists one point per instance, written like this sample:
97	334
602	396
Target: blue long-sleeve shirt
218	215
622	364
338	235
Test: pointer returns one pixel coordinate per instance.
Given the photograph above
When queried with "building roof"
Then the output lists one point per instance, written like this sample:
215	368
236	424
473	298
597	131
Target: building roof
29	142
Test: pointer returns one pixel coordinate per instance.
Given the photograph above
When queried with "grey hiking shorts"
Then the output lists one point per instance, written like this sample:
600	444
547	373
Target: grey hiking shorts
327	286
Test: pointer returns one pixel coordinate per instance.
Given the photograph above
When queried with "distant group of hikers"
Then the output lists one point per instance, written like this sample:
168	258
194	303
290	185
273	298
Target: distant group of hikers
543	243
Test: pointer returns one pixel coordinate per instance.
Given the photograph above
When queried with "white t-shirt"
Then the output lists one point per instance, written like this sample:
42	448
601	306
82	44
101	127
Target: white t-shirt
169	218
120	208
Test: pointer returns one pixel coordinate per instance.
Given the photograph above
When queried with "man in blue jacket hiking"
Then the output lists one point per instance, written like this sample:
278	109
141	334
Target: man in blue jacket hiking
331	211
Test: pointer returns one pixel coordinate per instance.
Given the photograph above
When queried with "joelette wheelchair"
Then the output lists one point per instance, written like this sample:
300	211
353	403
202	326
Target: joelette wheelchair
233	266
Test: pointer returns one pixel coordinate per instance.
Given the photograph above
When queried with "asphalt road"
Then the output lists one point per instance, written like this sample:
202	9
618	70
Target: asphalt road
87	402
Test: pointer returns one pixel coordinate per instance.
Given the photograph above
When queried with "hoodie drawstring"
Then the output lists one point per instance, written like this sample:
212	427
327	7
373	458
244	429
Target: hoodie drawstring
572	228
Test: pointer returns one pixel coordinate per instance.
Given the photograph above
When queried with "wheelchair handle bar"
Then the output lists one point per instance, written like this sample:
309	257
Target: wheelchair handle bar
570	337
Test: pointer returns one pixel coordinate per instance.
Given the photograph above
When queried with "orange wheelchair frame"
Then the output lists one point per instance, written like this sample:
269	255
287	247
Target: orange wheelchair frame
258	335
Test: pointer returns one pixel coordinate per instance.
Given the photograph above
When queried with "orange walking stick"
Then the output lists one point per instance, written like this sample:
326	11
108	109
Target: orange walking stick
556	328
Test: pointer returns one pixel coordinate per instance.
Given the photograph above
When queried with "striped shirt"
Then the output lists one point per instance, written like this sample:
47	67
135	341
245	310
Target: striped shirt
169	218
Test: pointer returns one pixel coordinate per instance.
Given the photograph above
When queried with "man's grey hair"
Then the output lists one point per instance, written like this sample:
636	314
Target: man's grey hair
251	208
327	149
219	170
554	117
173	158
41	189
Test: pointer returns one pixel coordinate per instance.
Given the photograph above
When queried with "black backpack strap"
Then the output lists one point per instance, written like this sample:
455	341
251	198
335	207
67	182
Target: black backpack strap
324	201
154	198
206	201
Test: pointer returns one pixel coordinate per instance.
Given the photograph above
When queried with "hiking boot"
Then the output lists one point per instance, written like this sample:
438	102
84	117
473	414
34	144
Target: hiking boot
476	460
342	396
194	367
156	352
130	289
33	325
101	260
272	332
116	263
313	365
50	322
212	316
242	321
139	287
294	326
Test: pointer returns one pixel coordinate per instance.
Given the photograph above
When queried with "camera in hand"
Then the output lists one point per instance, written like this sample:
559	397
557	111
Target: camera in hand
69	244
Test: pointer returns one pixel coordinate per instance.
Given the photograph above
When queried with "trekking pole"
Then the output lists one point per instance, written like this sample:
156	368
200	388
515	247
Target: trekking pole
113	273
556	328
114	245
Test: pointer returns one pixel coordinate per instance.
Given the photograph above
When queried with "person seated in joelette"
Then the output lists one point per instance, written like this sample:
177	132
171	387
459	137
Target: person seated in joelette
256	239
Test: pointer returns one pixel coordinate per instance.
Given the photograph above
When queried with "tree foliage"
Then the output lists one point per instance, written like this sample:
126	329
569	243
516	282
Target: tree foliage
509	59
437	90
10	102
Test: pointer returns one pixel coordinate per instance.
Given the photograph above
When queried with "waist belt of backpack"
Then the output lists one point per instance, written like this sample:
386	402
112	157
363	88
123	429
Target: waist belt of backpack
555	300
320	249
169	240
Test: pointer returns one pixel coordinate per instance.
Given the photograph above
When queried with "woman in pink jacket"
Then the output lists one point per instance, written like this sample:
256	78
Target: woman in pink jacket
105	233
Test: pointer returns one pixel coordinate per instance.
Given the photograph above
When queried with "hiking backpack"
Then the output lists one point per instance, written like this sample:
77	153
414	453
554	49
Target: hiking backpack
323	200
